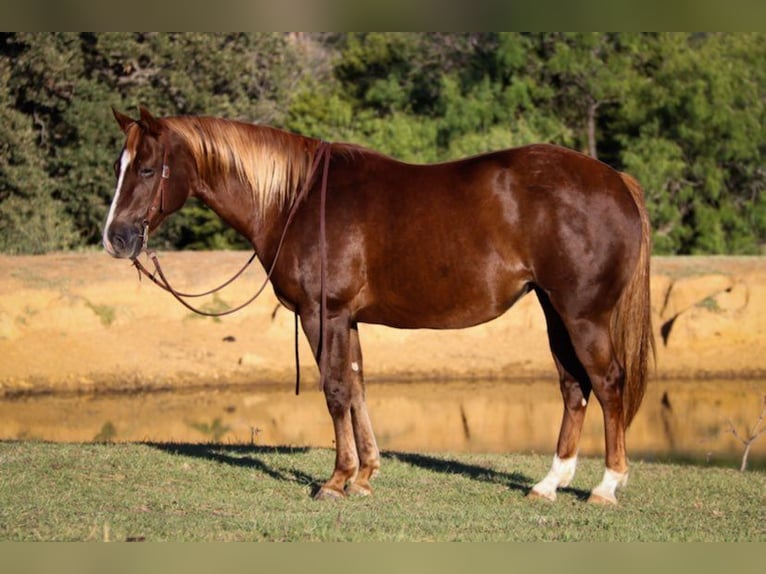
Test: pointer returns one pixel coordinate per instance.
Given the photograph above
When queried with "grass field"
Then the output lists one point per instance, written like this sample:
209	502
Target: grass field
157	492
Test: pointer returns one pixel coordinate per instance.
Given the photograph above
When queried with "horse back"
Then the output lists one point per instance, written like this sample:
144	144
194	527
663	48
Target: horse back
456	244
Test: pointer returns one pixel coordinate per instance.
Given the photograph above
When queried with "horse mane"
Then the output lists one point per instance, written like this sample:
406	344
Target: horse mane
273	163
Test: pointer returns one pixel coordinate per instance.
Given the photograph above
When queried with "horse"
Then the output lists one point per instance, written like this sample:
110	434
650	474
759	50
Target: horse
441	246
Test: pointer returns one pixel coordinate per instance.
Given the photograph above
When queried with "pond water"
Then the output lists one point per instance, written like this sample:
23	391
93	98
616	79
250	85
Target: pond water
679	420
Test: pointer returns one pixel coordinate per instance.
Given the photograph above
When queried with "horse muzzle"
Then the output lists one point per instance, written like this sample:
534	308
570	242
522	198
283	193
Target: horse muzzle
124	241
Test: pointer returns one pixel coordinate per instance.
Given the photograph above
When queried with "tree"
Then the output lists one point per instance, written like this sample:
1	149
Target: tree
430	97
32	219
590	70
694	135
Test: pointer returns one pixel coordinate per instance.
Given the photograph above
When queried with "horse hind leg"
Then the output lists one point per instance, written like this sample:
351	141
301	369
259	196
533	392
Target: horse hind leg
594	348
366	445
564	464
575	391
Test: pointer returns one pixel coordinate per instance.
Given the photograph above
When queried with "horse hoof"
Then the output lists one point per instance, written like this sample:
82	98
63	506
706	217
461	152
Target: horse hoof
602	499
537	495
355	489
325	493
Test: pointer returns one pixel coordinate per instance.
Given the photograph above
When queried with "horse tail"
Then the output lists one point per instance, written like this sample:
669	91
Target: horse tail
631	321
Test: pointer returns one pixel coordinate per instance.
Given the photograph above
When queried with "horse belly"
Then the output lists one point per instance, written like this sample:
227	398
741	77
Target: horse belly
419	295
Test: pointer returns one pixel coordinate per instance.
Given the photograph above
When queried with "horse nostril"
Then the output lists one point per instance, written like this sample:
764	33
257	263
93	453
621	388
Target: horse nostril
118	242
124	240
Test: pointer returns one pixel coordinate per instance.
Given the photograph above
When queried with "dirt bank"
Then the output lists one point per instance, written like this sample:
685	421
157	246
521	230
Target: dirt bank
84	321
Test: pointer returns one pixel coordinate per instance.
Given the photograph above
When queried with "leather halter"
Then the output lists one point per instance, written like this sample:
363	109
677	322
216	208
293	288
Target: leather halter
158	201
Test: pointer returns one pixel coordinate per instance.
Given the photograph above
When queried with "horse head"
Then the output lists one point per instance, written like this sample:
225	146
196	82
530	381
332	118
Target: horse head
151	174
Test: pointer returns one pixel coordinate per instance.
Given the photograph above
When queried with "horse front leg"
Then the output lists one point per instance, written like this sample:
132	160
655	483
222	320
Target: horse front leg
366	445
338	393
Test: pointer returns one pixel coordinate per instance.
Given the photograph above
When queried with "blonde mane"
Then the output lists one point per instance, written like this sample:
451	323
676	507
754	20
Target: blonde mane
271	162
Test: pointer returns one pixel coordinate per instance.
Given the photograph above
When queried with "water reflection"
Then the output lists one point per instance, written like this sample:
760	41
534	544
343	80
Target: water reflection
678	419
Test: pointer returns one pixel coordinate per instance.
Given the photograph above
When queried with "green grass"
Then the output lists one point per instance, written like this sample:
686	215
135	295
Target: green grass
122	492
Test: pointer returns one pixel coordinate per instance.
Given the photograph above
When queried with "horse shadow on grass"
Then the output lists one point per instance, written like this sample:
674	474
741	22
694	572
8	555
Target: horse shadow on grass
251	456
515	481
246	456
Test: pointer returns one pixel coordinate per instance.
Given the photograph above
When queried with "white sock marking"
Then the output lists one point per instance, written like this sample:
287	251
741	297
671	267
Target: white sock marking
609	484
561	474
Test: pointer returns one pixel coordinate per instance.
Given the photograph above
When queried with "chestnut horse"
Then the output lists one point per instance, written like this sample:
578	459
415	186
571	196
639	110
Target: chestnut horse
441	246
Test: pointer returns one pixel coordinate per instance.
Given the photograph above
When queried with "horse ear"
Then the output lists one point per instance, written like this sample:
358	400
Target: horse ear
151	123
123	120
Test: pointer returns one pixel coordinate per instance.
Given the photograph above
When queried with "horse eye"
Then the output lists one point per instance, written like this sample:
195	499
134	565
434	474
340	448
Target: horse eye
146	172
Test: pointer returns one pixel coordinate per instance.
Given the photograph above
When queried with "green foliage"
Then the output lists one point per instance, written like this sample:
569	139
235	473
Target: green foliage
32	217
34	225
592	71
684	113
694	136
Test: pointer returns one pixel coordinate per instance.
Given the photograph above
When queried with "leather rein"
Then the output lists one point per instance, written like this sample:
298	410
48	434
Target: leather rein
321	154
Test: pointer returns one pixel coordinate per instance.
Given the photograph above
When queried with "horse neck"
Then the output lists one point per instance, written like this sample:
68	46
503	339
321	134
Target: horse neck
260	215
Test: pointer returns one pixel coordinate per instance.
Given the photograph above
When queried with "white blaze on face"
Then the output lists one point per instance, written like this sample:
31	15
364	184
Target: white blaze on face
124	163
